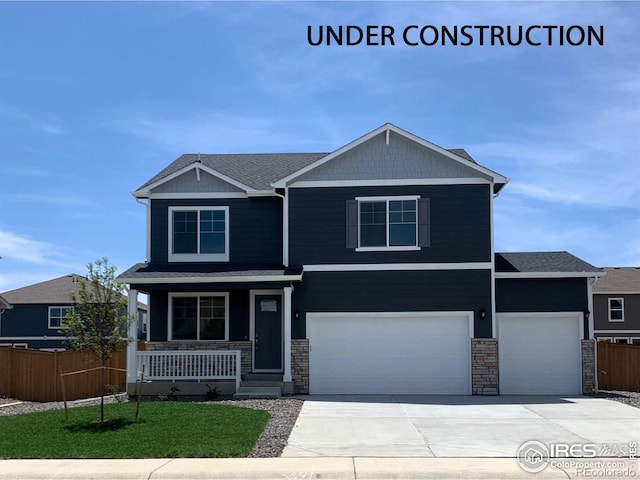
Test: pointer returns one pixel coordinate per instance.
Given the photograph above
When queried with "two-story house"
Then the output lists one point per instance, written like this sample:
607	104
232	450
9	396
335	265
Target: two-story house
370	269
38	310
616	305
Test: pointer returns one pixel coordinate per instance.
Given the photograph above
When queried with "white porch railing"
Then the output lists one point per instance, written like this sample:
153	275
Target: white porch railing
190	365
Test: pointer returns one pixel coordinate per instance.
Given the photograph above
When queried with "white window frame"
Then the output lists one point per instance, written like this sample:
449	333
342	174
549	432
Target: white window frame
605	339
621	300
388	248
198	295
49	316
20	345
635	340
626	339
199	257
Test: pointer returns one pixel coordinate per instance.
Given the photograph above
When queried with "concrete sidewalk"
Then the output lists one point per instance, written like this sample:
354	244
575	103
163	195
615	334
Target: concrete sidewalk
304	468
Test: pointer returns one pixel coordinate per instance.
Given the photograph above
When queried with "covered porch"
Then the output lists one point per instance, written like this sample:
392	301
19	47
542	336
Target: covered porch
212	330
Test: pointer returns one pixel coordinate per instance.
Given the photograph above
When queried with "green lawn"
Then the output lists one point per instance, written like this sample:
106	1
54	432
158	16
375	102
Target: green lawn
164	429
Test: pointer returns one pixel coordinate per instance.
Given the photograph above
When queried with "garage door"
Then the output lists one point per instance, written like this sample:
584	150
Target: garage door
539	353
389	353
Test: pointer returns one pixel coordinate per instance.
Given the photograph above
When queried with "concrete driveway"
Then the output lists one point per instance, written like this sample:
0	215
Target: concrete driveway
456	426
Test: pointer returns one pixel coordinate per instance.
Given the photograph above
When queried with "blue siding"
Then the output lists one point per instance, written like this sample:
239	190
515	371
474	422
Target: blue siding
543	295
28	320
255	226
460	225
460	290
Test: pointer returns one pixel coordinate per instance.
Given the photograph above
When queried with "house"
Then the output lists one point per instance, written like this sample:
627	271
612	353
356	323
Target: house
38	311
616	305
369	269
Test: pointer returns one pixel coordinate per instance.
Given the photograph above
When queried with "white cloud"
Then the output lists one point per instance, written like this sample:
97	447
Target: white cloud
19	248
43	122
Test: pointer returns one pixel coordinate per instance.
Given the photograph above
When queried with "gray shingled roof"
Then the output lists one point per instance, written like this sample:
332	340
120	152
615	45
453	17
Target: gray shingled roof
551	262
142	272
4	304
58	290
619	280
256	170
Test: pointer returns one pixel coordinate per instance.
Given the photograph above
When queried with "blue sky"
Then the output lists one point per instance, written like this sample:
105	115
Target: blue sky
95	98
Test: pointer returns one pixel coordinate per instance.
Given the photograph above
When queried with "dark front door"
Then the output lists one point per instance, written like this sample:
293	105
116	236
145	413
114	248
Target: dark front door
268	332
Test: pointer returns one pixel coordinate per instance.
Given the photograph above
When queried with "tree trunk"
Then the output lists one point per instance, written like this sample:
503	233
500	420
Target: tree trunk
102	392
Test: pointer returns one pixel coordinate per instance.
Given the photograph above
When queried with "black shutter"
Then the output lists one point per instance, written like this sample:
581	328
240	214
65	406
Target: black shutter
352	223
424	220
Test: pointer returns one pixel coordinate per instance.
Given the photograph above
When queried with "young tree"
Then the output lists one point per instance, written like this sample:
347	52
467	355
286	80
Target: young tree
99	321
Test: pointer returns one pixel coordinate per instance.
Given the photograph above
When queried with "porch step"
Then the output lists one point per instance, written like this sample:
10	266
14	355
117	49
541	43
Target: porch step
267	377
261	383
258	392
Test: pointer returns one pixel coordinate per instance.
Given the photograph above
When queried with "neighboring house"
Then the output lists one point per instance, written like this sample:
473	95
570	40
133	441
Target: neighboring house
38	311
370	269
4	305
616	305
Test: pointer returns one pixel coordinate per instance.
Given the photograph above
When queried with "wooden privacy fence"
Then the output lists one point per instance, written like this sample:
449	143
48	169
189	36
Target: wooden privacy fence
35	375
618	367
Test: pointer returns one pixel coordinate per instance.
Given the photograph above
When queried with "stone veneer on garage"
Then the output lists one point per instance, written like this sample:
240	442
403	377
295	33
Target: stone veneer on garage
244	347
588	367
300	364
484	366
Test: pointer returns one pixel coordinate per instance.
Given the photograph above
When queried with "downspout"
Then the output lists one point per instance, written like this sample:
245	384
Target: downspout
148	207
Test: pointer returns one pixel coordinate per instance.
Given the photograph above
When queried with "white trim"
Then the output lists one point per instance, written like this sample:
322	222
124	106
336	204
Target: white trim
198	257
173	295
387	198
44	337
143	193
132	344
494	321
252	326
286	313
605	339
261	193
195	195
497	178
68	307
388	182
612	332
148	245
20	345
621	300
399	248
196	279
285	228
616	293
626	340
500	275
384	267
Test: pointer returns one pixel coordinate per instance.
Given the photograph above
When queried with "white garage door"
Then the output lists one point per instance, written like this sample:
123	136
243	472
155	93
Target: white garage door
389	352
539	353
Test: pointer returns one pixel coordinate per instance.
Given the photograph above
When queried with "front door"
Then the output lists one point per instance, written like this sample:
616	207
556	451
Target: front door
268	332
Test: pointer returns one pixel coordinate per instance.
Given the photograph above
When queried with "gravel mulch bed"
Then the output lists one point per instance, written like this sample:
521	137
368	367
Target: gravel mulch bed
30	407
628	398
284	413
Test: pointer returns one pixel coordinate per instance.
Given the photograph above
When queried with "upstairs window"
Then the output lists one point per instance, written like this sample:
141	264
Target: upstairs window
387	223
616	309
56	316
198	234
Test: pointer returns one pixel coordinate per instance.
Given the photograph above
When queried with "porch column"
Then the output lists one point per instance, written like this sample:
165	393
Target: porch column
132	346
287	334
